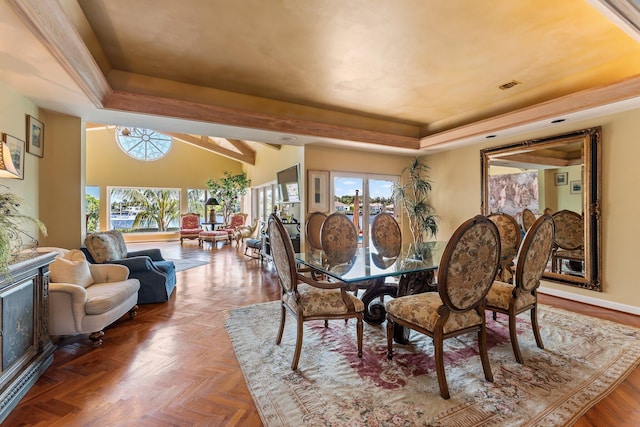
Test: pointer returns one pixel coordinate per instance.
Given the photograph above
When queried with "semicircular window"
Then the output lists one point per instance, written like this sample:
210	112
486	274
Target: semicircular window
143	144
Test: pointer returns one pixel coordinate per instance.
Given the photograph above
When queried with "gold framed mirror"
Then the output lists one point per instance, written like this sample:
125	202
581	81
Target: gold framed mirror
560	174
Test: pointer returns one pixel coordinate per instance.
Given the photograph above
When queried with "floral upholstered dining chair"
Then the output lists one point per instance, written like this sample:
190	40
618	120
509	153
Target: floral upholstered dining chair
528	218
312	228
521	296
510	238
305	298
467	269
339	240
569	239
386	235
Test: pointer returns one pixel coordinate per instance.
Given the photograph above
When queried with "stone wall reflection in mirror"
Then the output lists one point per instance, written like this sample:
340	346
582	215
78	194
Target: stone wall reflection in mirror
559	174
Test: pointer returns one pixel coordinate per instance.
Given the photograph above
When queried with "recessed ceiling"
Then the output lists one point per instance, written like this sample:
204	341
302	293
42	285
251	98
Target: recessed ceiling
392	75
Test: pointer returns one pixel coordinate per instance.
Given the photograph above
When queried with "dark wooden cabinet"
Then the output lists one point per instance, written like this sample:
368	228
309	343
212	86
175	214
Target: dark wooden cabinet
25	345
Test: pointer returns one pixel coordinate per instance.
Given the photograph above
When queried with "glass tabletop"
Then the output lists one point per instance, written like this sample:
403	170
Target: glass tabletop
368	264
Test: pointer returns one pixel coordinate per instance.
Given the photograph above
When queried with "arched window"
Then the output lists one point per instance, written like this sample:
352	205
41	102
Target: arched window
143	144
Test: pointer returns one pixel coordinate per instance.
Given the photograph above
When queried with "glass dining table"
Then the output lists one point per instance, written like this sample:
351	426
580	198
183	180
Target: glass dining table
368	270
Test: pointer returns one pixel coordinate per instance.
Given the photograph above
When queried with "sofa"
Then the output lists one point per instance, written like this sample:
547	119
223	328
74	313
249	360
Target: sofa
157	275
86	298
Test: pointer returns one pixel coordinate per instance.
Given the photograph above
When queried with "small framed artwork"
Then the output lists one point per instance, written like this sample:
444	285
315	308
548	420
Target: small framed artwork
16	147
562	178
318	191
576	187
35	136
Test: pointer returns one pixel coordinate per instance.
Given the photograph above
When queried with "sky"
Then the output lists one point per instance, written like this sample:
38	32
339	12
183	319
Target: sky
344	186
93	191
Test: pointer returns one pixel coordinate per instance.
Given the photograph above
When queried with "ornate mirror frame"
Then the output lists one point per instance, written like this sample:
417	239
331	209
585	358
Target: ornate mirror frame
529	153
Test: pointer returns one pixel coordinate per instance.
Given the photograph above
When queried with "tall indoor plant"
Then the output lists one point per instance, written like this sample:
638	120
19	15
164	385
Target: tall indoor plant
12	236
227	190
413	197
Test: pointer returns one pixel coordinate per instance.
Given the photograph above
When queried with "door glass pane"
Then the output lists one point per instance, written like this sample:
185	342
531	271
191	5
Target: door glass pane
348	199
380	198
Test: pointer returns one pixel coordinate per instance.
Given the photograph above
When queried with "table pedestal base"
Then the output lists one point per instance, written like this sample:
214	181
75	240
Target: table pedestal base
409	284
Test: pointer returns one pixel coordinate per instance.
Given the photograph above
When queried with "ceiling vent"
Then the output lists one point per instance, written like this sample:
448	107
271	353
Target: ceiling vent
509	85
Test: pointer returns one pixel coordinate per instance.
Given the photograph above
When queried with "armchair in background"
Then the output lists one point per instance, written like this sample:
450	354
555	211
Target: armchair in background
157	276
237	220
190	227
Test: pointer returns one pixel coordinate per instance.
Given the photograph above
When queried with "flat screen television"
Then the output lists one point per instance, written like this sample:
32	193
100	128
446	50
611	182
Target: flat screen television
288	185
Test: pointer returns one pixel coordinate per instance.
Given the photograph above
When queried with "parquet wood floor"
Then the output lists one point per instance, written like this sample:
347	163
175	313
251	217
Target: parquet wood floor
174	365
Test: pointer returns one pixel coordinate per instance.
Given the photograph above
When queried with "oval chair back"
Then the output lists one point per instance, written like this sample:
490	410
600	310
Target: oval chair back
534	254
469	264
528	218
386	235
282	254
312	230
569	228
339	239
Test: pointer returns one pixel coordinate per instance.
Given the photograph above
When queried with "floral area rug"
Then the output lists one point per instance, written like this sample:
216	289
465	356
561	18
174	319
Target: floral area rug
583	360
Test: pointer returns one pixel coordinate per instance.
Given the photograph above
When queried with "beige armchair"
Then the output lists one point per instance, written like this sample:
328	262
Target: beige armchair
85	298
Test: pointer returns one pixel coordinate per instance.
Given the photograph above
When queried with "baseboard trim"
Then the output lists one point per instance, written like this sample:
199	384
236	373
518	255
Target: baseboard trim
590	300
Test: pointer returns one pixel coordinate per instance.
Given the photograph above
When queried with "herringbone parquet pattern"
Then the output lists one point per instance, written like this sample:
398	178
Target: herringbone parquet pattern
174	365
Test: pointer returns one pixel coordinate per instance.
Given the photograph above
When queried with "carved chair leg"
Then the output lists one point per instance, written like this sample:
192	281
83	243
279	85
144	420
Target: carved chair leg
513	334
283	314
96	338
484	355
133	312
296	354
438	344
359	333
390	330
534	326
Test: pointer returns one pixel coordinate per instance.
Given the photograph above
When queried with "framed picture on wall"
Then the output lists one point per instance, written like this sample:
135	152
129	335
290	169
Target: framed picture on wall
35	136
318	191
576	187
562	178
16	147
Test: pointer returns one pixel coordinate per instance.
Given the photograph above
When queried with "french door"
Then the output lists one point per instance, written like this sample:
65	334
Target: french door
361	197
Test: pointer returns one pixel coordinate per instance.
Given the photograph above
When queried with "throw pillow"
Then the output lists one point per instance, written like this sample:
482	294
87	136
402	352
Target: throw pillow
72	267
106	246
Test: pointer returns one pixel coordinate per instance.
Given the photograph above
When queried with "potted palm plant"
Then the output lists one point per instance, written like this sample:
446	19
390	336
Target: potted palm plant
413	197
12	236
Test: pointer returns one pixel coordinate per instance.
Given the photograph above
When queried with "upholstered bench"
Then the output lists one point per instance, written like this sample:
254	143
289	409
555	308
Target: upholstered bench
256	248
213	236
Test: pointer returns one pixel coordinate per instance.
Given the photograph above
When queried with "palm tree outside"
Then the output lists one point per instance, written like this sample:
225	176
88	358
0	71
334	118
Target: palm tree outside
154	208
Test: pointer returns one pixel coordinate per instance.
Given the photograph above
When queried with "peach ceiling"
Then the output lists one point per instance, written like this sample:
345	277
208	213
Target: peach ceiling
405	74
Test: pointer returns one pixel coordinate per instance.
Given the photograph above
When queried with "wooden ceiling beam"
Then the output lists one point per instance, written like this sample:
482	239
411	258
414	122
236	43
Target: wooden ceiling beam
244	148
51	26
166	107
531	159
207	144
579	101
